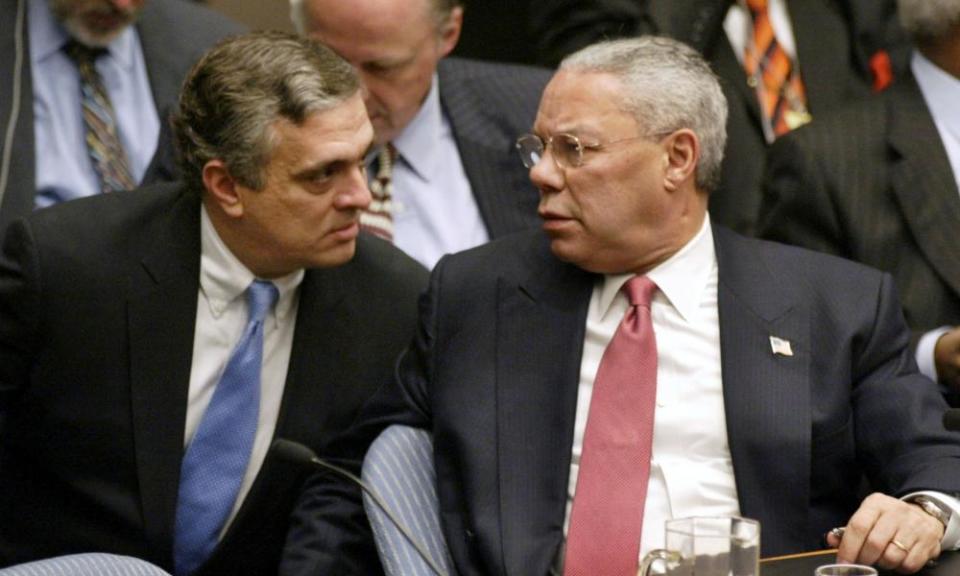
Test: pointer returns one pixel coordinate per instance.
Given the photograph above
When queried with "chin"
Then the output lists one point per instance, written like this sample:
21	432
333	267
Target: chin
333	257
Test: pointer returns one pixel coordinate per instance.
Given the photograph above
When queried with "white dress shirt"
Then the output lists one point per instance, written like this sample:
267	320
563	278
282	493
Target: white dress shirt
221	318
691	467
435	212
64	170
941	92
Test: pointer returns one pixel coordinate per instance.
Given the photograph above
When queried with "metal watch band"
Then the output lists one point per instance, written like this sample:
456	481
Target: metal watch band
932	508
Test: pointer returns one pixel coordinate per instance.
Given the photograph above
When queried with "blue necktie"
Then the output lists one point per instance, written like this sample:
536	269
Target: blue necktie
216	460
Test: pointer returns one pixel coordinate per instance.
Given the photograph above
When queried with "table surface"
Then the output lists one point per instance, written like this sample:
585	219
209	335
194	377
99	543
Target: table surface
805	564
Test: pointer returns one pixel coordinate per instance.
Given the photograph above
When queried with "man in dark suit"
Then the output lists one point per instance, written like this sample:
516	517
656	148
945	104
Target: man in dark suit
122	317
773	376
877	182
452	122
840	47
168	36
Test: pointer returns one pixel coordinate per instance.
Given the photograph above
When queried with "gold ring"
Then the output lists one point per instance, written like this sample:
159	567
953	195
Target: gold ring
899	545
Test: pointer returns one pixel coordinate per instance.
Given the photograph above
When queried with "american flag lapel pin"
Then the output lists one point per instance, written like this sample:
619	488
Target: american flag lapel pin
780	346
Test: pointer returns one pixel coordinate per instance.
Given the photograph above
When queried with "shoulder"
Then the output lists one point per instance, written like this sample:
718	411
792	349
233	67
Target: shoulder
794	268
380	262
191	21
511	80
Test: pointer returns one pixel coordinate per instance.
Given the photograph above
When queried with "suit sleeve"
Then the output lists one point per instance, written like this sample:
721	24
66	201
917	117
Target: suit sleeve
898	412
329	532
19	314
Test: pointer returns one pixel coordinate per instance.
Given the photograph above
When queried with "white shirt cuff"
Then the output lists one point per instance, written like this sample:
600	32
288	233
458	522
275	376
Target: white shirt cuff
951	536
925	348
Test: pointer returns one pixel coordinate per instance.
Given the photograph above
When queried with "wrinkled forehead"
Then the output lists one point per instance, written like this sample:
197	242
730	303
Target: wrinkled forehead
577	101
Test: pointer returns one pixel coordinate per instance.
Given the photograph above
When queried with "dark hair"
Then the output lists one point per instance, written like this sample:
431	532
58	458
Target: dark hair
234	94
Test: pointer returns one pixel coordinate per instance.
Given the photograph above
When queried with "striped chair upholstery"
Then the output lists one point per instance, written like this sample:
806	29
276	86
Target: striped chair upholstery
399	466
93	564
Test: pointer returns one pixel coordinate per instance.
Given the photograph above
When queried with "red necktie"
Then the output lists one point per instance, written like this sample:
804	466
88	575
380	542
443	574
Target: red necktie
607	516
769	68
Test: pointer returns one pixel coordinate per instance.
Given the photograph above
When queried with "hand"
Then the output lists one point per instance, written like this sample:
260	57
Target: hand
890	533
946	356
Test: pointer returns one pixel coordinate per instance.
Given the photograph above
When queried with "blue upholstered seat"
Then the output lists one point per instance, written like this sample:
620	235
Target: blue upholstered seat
399	466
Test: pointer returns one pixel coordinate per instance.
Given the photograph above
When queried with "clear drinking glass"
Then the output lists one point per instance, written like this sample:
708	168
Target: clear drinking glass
845	570
702	546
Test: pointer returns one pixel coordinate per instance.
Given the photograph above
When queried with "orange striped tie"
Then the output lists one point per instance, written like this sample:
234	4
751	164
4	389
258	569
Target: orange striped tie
769	69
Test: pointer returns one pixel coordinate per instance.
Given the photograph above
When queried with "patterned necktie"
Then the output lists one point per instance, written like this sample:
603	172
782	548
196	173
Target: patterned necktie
769	69
100	122
216	459
607	516
378	217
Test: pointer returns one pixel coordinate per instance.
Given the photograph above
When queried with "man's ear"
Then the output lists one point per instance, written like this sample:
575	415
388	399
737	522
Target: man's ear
450	31
222	188
682	152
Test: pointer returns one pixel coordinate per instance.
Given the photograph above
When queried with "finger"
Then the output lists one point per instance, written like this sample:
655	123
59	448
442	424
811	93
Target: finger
880	540
917	558
894	555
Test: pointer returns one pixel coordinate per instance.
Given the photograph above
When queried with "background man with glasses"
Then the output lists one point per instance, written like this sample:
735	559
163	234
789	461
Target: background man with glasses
633	363
449	123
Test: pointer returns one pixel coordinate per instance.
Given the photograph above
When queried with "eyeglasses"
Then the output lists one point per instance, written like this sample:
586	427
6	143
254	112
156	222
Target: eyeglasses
567	149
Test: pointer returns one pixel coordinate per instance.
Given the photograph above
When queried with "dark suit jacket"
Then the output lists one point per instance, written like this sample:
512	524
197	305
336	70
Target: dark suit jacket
835	40
873	183
489	106
494	374
173	33
98	302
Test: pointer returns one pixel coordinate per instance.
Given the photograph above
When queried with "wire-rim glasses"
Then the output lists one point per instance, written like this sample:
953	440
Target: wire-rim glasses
567	149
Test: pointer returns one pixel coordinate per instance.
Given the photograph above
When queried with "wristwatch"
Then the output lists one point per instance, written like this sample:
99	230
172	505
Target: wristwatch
933	508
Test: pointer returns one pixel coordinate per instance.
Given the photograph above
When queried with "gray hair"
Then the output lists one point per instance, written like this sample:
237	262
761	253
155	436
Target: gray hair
233	96
928	20
441	11
666	86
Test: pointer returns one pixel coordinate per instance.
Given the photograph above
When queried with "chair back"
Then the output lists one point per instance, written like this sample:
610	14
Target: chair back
92	564
399	466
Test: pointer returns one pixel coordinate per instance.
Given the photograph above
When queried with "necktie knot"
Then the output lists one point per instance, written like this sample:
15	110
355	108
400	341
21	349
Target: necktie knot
757	6
82	55
261	296
639	291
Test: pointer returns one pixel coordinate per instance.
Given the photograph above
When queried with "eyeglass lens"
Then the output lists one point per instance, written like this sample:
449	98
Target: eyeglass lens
565	147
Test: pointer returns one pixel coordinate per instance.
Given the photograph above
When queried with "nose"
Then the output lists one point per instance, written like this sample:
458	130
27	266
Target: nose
545	174
355	194
124	4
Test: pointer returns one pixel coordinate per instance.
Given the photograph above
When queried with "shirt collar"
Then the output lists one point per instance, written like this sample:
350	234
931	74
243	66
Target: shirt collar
941	91
47	37
682	278
419	140
223	278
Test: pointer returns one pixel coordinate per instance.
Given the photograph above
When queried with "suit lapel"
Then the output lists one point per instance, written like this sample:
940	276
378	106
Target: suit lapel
540	322
320	346
823	55
162	306
923	180
766	395
491	166
165	55
17	198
